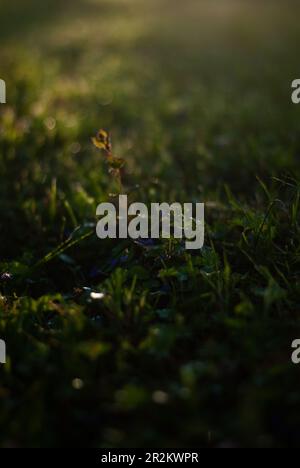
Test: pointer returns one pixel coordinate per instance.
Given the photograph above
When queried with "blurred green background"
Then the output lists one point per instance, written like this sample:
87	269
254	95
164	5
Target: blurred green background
185	350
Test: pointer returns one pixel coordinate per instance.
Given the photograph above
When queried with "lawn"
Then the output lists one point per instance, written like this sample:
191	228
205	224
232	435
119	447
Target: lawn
116	343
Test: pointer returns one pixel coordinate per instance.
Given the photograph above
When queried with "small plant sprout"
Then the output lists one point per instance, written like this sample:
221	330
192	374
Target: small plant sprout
2	352
102	141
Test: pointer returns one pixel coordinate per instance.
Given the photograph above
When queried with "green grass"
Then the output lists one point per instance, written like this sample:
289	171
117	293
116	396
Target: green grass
184	350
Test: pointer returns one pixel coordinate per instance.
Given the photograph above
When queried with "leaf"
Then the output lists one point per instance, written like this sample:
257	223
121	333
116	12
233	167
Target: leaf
115	163
102	141
98	144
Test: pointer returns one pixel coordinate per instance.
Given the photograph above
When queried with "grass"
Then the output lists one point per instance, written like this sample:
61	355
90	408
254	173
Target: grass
182	350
